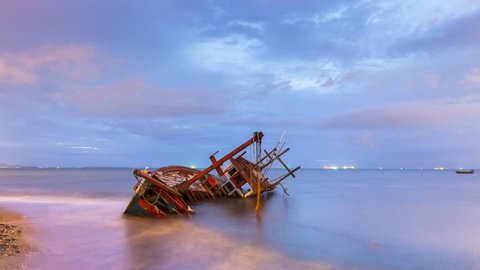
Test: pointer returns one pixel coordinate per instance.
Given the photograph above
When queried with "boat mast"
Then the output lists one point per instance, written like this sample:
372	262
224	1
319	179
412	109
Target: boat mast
257	137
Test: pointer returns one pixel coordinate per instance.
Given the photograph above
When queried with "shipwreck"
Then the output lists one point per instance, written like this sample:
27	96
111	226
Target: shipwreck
171	190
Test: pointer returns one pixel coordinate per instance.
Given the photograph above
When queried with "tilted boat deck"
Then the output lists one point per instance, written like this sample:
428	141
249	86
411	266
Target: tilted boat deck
169	190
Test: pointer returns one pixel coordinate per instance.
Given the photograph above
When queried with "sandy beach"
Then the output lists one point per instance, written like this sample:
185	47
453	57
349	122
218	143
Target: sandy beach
92	233
13	245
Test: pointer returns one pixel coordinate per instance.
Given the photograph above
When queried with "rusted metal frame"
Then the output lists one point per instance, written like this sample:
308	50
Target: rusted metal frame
235	175
192	197
281	178
241	155
284	189
245	162
208	190
285	166
259	163
275	157
213	160
240	168
257	136
178	202
155	182
229	192
219	170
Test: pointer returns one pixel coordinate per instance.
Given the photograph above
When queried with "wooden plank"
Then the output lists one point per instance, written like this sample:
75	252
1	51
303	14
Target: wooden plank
240	168
155	182
280	179
257	137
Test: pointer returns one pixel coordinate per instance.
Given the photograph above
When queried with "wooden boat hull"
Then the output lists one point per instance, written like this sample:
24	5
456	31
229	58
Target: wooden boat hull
138	207
465	171
155	195
168	190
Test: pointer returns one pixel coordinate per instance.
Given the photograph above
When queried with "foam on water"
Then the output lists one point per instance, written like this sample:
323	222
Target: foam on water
65	200
87	233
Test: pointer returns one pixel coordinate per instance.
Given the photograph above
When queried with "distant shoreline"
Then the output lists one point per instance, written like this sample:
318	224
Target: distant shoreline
200	168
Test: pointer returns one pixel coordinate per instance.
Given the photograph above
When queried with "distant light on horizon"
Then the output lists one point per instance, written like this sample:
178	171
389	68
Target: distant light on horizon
335	167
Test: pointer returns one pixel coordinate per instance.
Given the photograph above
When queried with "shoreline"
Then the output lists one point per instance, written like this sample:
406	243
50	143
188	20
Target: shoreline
14	246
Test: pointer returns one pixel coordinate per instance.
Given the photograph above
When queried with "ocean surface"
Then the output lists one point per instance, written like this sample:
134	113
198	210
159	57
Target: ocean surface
345	219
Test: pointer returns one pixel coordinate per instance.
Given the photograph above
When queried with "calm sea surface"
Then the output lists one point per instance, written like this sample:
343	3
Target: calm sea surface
346	219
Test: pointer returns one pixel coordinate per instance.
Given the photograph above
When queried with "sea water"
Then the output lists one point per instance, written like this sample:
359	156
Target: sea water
345	219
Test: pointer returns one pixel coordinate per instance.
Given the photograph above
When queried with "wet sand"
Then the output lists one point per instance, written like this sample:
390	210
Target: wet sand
81	233
13	244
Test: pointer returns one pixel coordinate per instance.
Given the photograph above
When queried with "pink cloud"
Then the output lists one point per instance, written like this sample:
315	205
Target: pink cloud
420	114
472	77
431	79
366	140
136	98
73	62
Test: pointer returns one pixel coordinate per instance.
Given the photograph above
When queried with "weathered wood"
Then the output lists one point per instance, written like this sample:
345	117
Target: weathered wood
272	159
257	136
155	182
280	179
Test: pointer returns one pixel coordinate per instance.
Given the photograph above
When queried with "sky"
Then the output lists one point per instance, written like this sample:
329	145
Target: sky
387	83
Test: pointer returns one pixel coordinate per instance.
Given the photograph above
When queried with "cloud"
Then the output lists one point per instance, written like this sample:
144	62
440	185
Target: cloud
366	140
356	31
328	48
420	114
84	149
252	25
203	69
317	18
406	17
228	53
32	67
472	77
218	11
431	79
245	59
457	32
135	98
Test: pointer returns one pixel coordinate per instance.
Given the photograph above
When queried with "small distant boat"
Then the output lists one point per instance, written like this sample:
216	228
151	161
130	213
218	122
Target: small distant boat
461	171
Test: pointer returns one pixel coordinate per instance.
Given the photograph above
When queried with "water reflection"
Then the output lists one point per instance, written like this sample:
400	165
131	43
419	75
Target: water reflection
175	243
363	219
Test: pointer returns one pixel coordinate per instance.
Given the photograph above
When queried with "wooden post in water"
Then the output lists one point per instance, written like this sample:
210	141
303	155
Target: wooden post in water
258	153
